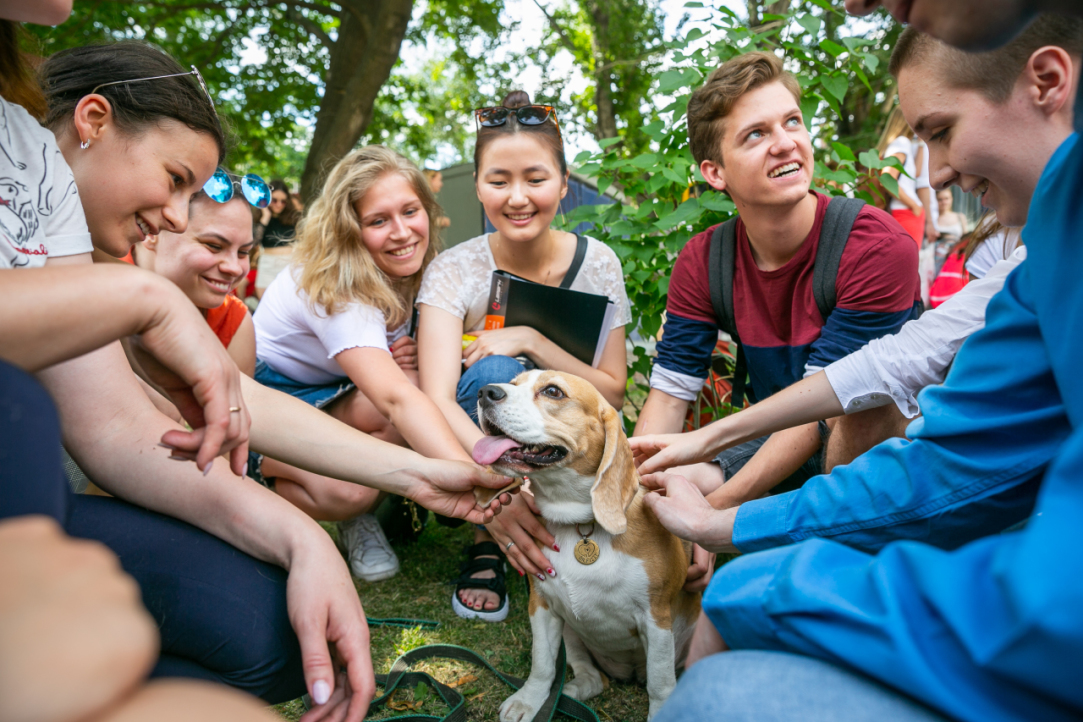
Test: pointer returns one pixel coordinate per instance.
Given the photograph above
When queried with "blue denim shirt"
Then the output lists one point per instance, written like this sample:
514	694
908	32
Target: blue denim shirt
922	594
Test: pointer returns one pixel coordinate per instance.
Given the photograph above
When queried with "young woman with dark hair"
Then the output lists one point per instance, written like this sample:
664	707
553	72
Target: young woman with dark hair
276	232
245	589
521	177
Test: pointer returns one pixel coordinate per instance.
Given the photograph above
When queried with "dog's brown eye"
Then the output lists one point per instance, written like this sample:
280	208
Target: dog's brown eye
553	392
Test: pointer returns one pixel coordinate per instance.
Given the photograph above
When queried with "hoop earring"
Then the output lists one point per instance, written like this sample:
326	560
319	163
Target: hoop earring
85	144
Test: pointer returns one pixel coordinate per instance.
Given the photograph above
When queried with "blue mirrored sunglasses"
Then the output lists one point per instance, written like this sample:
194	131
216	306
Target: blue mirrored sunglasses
220	188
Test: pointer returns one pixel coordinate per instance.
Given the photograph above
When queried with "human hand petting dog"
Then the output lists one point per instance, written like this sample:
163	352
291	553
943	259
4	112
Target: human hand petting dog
520	523
684	511
657	452
447	487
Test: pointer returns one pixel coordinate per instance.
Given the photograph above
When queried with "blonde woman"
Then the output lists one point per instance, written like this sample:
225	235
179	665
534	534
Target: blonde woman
332	331
898	142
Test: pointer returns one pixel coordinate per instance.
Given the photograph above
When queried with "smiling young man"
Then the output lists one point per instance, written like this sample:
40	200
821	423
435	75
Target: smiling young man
747	134
889	581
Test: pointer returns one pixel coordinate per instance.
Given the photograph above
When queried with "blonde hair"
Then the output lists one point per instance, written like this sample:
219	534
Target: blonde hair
896	126
336	268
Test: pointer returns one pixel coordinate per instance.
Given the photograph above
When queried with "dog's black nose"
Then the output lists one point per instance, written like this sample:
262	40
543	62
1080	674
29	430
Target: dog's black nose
491	394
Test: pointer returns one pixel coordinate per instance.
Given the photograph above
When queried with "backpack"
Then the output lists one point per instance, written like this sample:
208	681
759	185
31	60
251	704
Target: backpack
834	233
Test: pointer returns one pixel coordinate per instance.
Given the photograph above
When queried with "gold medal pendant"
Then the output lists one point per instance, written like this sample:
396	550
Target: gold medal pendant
586	551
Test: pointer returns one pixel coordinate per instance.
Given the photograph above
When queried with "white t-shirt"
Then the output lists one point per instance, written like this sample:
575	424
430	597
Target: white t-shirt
992	250
459	279
301	343
40	211
922	181
903	145
895	368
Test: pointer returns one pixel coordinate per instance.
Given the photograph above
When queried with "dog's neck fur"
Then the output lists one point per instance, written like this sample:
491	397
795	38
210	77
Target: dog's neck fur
563	495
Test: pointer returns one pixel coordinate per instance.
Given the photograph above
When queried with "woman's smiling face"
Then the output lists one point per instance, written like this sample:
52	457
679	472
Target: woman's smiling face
211	256
394	226
520	186
139	184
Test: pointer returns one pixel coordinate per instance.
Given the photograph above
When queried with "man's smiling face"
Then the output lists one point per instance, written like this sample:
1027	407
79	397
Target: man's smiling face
766	151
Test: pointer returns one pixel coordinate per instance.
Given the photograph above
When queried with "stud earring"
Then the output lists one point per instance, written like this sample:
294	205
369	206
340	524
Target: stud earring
85	144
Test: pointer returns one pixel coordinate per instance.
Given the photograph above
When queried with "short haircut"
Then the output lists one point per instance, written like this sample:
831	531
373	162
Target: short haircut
714	100
992	73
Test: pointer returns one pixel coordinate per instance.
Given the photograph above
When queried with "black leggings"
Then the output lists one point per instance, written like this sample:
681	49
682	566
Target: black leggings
221	613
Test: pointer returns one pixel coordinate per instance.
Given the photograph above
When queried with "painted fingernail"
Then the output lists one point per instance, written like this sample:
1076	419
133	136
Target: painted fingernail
176	457
520	572
208	469
166	446
556	547
551	572
541	577
244	471
321	692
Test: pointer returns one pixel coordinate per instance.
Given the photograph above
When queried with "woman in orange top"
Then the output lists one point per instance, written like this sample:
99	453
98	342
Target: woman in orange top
206	262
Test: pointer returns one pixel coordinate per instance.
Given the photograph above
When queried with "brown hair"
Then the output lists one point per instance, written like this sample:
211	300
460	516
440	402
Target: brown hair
992	73
71	75
289	215
336	267
714	100
548	133
17	82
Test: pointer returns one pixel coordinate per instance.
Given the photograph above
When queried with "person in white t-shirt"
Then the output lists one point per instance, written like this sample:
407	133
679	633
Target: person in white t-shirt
521	177
897	142
332	331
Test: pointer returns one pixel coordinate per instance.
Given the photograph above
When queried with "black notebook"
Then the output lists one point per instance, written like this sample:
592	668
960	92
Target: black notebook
578	322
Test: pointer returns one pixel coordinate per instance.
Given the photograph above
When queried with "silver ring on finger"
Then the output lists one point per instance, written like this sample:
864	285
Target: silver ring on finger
508	546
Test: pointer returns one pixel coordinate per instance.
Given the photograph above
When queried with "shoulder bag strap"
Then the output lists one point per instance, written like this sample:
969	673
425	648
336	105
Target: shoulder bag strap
834	232
722	264
577	261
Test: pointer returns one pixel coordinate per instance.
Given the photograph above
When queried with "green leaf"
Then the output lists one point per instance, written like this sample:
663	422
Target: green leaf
606	142
835	84
686	211
891	184
421	692
870	159
583	157
810	23
671	80
844	152
647	160
833	48
871	62
673	176
809	105
852	44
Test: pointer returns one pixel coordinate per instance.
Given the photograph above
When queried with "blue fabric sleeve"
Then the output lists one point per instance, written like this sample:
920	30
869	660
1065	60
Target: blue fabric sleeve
686	346
990	632
847	330
972	469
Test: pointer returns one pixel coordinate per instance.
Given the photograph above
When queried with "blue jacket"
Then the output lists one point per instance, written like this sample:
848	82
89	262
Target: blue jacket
922	593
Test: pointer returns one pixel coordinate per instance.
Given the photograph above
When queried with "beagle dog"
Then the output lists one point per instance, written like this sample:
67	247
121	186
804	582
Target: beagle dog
618	596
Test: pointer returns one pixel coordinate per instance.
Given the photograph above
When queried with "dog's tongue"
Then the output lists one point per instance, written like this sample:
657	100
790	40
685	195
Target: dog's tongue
489	448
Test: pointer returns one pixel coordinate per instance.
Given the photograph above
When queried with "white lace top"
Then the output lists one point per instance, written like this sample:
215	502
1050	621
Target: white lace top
458	281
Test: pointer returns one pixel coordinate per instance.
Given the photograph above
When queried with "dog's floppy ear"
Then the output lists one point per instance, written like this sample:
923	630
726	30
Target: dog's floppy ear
617	482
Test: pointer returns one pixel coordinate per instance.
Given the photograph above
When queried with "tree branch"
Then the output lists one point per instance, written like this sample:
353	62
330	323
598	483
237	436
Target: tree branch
567	42
311	26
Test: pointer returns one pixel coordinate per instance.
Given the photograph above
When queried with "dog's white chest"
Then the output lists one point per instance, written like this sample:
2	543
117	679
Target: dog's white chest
604	602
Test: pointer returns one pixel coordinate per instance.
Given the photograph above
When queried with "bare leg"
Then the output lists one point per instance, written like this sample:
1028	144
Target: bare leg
171	700
321	497
854	434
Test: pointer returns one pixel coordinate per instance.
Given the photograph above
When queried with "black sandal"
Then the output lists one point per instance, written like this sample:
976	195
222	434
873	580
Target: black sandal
497	585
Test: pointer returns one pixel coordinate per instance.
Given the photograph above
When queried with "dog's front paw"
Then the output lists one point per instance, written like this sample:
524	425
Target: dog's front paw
585	686
519	708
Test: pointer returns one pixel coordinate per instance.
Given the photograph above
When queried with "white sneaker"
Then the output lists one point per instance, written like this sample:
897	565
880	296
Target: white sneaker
367	550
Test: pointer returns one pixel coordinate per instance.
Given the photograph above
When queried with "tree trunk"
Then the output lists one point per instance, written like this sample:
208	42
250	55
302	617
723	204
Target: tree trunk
367	47
603	74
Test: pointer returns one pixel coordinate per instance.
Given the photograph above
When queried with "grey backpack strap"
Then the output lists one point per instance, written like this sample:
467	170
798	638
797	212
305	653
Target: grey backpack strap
834	232
722	261
577	261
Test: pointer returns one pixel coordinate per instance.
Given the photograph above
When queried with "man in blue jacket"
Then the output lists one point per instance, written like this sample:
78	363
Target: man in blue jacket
924	611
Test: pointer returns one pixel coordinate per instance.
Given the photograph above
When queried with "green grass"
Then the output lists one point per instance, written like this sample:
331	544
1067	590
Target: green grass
420	591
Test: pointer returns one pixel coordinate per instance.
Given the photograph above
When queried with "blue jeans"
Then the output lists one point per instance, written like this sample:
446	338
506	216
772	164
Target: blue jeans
488	370
221	614
757	686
